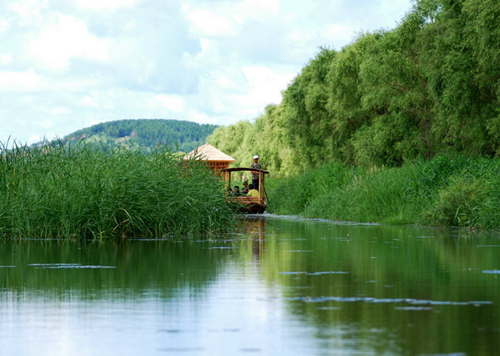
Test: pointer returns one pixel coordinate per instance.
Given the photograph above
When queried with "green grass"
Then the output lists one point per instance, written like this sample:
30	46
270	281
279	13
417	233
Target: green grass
59	192
442	192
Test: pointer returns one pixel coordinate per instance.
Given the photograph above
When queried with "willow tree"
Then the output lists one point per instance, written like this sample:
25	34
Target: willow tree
462	85
429	87
306	120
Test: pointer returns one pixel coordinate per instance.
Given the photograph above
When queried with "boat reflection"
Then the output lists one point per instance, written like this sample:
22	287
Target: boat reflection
255	227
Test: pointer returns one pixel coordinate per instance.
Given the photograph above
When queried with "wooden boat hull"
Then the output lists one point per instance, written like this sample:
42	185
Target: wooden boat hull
249	205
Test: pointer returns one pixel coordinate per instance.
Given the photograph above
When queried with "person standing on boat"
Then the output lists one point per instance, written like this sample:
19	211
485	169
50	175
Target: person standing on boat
255	174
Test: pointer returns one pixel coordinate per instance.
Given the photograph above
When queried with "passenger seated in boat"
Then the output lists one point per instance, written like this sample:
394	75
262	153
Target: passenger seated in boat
245	187
236	191
254	193
229	191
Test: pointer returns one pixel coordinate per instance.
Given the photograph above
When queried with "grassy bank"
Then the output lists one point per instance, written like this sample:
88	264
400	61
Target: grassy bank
58	192
443	192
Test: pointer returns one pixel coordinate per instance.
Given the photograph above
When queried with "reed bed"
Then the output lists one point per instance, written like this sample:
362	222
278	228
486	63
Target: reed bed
445	191
81	192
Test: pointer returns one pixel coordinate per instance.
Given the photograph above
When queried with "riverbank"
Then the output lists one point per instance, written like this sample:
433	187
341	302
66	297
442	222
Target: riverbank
85	193
444	191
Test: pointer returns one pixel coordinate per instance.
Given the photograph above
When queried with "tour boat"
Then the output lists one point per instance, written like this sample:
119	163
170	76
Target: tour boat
246	204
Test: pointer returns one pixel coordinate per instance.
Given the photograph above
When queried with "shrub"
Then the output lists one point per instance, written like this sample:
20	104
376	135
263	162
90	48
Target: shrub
459	204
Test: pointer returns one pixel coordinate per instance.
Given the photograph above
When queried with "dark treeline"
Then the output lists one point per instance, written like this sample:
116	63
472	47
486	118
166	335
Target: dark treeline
429	87
145	133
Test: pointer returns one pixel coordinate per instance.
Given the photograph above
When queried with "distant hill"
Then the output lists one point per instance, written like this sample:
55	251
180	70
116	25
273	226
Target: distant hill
145	134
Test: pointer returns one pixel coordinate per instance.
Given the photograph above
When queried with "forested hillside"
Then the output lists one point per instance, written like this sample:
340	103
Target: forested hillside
145	133
429	87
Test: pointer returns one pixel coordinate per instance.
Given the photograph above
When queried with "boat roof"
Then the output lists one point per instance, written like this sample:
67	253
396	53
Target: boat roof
237	169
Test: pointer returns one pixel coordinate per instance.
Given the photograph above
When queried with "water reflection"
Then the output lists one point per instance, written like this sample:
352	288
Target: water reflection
274	286
255	228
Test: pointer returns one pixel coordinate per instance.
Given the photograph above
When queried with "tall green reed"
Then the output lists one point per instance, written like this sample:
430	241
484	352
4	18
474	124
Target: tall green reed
55	191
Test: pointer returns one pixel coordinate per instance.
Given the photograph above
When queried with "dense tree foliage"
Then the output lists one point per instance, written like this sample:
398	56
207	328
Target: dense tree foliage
145	133
429	87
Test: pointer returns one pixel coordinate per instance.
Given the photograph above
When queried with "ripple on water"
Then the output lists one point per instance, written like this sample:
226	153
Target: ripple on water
315	273
182	349
66	265
450	354
387	300
326	272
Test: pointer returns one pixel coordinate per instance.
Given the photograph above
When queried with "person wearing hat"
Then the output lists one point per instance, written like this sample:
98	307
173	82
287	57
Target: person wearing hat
255	174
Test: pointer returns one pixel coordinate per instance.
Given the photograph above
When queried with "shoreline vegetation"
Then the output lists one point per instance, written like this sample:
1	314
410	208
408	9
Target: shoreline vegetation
400	126
421	100
56	191
444	191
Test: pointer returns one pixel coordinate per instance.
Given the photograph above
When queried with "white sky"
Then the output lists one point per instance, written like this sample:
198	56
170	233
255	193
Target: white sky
70	64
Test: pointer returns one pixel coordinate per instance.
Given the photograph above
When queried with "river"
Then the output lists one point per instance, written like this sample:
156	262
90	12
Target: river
276	286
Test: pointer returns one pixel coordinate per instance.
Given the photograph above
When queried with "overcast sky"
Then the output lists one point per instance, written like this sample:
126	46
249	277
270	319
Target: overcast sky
70	64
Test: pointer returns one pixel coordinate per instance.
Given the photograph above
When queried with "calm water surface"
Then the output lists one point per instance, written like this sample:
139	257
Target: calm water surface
275	287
